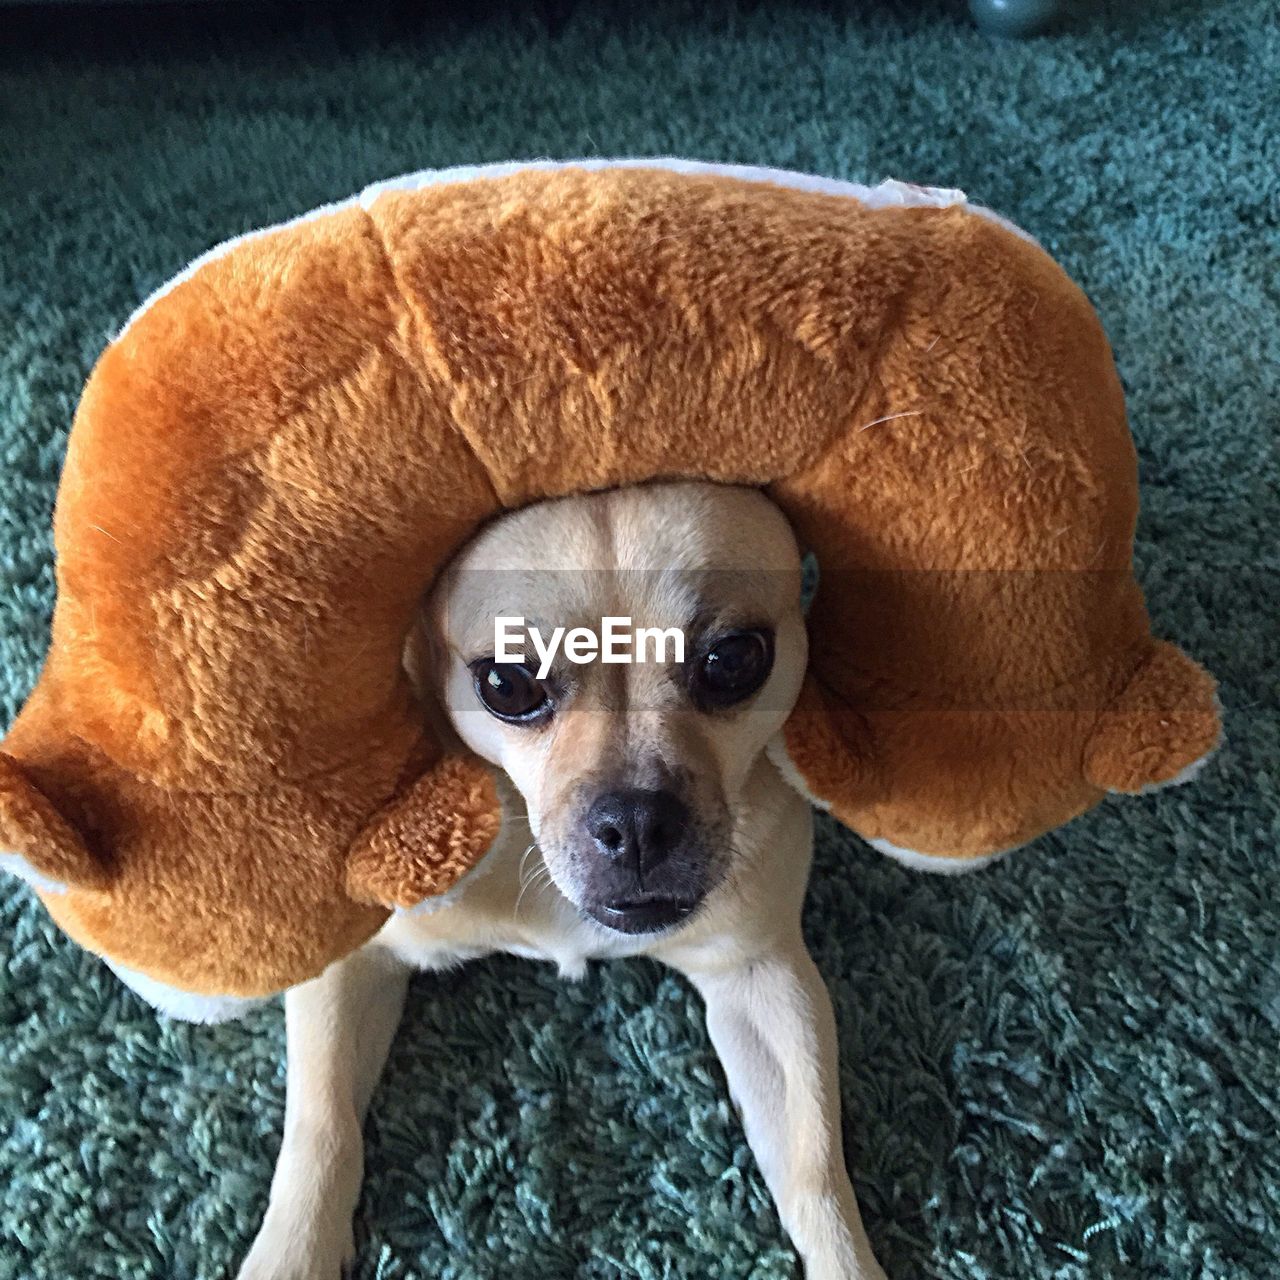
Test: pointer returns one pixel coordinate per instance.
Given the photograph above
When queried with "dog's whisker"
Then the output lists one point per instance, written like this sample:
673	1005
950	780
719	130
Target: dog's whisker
744	862
524	858
524	873
530	881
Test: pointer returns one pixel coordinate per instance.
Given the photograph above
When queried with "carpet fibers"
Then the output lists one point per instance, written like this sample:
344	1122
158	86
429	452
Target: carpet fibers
1067	1066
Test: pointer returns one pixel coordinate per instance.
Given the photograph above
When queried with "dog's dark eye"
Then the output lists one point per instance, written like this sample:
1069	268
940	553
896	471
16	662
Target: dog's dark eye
510	691
733	668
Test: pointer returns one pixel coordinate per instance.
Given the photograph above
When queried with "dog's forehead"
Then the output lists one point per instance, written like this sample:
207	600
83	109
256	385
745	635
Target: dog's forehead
664	555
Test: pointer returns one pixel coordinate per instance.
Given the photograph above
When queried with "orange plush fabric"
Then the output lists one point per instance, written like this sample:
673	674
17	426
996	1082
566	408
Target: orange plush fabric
223	780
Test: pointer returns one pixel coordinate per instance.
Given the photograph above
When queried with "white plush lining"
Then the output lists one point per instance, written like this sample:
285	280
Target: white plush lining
512	809
932	862
16	865
888	193
776	750
453	894
166	999
184	1005
1183	775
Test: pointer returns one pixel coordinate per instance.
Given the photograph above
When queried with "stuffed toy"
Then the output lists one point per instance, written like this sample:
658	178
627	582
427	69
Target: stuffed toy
223	780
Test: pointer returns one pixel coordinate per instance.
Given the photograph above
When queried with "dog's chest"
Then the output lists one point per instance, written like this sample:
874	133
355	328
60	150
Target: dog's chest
500	911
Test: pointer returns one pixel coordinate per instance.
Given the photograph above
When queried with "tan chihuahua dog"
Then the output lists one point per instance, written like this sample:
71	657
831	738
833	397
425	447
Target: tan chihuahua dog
660	826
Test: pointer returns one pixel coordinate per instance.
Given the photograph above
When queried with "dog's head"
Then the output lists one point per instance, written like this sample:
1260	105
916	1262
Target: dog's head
662	646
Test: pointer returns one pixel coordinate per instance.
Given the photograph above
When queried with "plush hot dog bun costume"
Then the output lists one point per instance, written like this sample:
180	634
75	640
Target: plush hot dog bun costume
222	781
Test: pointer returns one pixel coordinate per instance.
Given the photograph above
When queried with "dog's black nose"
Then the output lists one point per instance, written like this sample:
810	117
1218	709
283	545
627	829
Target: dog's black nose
638	828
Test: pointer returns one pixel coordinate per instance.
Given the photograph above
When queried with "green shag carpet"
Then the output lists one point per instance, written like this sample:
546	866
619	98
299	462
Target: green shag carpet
1067	1066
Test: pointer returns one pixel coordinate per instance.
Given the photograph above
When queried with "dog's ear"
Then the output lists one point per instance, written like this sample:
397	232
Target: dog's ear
426	838
37	843
1162	726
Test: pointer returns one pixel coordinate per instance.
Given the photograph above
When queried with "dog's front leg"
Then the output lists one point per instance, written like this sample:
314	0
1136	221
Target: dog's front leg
338	1029
772	1025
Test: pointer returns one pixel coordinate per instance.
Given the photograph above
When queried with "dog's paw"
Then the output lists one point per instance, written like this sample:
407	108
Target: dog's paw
293	1251
842	1268
839	1265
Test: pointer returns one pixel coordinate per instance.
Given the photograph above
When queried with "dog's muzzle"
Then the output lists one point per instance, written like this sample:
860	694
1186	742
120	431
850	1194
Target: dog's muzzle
646	868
